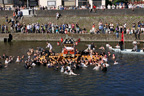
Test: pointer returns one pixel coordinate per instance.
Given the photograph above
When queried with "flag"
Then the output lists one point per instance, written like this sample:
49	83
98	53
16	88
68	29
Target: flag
122	37
79	40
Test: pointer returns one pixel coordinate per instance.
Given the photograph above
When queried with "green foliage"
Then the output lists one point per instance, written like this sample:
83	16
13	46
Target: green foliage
108	2
116	1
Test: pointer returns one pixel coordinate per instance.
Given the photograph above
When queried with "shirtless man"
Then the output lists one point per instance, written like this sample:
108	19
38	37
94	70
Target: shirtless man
49	46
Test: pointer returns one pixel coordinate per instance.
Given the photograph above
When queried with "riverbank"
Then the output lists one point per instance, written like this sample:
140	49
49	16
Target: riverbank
84	22
57	37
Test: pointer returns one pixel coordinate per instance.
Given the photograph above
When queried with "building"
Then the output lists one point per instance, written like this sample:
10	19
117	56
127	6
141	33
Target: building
135	0
68	3
28	3
6	3
132	1
51	3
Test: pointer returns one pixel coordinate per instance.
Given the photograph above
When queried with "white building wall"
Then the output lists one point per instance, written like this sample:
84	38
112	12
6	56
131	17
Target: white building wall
91	3
45	2
76	3
103	2
58	3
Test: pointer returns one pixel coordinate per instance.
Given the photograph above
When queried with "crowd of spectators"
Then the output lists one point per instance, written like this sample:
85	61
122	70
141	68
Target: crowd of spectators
117	6
110	28
124	6
16	26
12	8
12	25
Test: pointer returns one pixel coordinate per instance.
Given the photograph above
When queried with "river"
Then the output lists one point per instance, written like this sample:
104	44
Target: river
124	79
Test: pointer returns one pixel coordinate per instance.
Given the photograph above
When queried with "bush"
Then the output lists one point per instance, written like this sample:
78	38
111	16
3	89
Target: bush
108	3
117	1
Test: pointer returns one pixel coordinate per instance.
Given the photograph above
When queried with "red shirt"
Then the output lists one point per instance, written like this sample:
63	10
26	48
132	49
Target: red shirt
73	26
94	7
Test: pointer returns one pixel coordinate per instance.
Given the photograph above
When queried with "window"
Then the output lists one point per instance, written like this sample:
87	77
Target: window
83	2
97	2
51	3
68	2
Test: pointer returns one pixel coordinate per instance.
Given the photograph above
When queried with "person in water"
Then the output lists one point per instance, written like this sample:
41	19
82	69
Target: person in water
117	46
49	46
18	59
92	48
135	46
7	61
4	56
97	67
121	45
104	68
68	66
1	66
102	48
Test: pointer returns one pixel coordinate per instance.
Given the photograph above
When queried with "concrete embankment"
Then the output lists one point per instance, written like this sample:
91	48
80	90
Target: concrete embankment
107	12
57	37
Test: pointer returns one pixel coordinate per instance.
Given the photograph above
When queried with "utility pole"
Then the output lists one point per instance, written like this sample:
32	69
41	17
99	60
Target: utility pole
27	3
14	3
3	4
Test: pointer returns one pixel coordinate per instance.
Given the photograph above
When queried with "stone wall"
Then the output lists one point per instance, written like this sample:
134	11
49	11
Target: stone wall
108	12
57	37
3	13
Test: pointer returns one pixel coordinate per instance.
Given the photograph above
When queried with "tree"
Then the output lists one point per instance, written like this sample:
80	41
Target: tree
116	1
108	3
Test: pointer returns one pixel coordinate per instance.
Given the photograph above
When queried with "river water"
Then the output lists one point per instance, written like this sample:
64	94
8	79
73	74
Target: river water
124	79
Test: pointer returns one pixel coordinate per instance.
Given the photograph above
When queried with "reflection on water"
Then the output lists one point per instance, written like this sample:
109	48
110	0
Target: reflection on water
120	80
